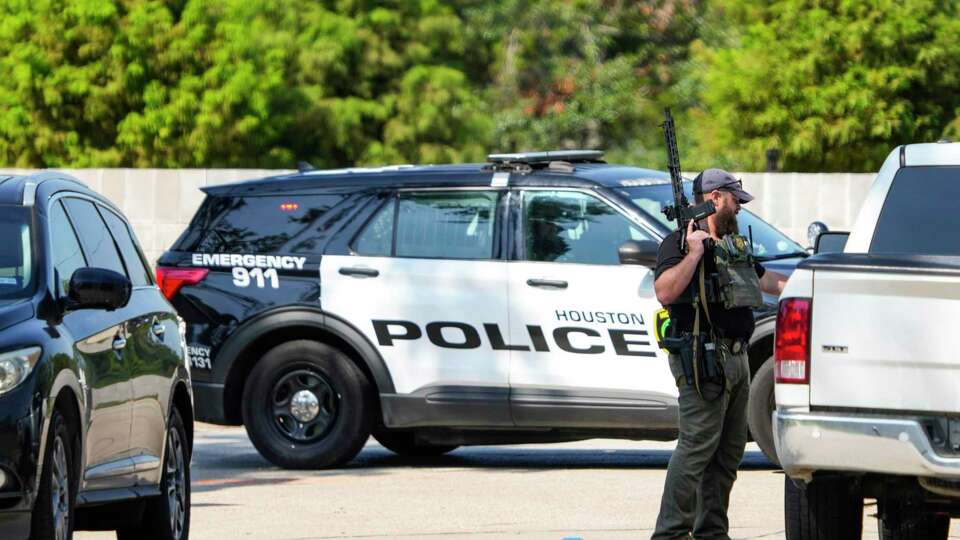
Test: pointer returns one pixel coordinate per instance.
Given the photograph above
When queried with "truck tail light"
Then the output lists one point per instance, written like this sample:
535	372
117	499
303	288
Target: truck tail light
170	280
791	355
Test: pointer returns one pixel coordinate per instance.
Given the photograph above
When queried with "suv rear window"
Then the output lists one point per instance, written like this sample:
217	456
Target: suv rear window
918	216
261	224
433	225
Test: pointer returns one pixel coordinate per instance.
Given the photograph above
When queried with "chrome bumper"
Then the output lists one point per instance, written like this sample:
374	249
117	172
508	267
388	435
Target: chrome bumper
811	441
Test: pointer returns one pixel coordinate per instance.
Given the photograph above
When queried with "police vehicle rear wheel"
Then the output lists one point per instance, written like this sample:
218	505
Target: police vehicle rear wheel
307	406
405	443
760	406
828	508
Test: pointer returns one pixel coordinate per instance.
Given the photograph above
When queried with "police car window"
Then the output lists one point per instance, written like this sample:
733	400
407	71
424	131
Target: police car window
67	256
376	240
768	242
569	226
918	204
139	276
449	225
261	224
97	243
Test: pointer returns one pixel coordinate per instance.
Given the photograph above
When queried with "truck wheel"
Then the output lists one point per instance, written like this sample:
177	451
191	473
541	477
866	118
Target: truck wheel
53	512
307	406
925	526
405	443
760	407
825	509
167	517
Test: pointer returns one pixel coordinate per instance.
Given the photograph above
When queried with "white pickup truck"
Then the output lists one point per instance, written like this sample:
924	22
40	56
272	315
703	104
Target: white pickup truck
867	369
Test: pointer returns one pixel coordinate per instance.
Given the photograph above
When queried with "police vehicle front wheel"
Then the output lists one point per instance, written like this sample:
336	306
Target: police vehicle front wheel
760	406
405	443
307	406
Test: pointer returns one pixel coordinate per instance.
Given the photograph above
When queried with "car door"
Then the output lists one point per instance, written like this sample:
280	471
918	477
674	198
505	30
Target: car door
590	358
426	285
99	337
151	354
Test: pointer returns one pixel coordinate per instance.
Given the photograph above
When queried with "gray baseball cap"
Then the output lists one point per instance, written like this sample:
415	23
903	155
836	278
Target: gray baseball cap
712	179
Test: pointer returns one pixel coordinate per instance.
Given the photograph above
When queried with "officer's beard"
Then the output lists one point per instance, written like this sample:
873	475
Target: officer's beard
726	222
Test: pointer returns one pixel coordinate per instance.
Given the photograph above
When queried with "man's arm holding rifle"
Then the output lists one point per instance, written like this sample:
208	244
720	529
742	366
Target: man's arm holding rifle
671	284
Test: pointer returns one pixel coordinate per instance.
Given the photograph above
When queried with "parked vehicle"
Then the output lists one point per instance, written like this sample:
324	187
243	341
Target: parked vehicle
867	374
96	415
435	306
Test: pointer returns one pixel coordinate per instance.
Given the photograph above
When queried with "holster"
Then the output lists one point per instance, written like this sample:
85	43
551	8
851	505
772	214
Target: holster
709	371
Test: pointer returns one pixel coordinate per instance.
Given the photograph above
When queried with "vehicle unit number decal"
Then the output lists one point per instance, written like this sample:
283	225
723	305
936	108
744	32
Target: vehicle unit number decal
199	356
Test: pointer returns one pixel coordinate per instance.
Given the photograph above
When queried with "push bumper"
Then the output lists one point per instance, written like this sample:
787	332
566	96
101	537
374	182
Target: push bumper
811	441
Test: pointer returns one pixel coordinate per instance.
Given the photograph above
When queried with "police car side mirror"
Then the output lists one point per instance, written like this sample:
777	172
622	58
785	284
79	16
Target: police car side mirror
642	252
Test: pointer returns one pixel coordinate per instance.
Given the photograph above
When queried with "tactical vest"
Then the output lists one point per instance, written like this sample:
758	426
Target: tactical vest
736	277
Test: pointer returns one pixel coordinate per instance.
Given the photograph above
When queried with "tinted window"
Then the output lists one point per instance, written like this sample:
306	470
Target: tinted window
567	226
139	275
98	245
16	253
67	256
917	215
452	225
768	242
268	224
376	240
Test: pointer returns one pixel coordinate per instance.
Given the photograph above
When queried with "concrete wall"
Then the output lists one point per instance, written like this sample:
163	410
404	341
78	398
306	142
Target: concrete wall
160	202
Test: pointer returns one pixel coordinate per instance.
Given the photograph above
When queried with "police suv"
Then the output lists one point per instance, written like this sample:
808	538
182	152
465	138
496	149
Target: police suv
435	306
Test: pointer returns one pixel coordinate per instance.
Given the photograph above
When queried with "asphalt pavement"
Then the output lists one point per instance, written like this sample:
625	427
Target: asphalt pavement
599	489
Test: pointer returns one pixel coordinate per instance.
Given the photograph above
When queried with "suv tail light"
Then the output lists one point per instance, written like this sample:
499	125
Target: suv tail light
170	280
791	355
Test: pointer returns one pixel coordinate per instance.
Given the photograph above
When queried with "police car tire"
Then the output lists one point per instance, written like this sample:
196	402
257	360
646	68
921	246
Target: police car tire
825	509
760	407
404	443
928	526
351	425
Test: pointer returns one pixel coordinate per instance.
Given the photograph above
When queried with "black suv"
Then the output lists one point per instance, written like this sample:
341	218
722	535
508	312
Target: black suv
96	415
436	306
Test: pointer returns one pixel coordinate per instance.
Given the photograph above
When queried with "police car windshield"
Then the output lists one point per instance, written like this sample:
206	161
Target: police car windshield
768	242
16	254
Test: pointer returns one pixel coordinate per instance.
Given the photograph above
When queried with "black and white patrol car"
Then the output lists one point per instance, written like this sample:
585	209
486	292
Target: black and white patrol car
435	306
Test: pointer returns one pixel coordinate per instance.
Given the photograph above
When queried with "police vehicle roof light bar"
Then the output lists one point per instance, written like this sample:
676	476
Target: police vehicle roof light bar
572	156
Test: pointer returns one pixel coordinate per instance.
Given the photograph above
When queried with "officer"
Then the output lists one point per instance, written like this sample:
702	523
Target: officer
713	425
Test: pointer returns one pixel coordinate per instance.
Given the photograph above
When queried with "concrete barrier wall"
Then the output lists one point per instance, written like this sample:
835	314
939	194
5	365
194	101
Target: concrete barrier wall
160	202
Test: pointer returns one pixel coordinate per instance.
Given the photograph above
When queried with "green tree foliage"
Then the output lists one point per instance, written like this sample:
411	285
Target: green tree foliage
584	73
832	84
262	83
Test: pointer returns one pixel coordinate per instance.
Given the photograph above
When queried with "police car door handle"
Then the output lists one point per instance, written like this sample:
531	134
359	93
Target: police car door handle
357	271
547	283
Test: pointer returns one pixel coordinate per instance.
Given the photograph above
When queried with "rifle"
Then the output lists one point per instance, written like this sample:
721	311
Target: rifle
681	210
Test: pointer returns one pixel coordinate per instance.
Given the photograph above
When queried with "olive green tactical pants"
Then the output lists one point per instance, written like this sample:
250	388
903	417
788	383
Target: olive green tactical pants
704	465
